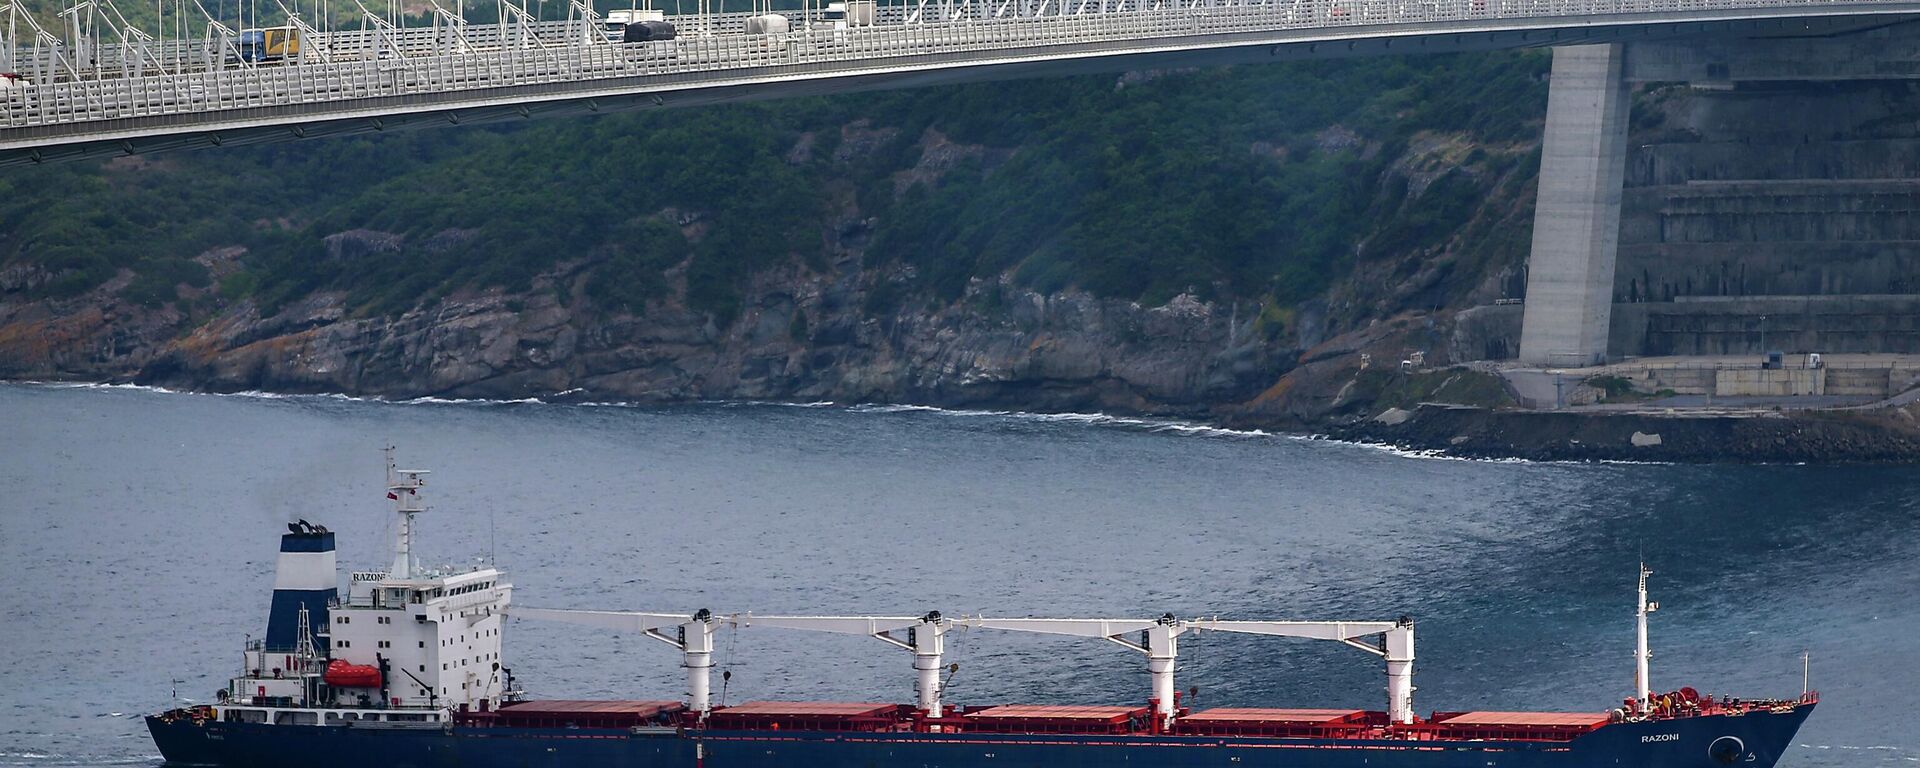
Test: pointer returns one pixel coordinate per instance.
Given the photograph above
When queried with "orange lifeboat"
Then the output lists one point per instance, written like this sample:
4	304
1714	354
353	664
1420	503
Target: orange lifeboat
340	674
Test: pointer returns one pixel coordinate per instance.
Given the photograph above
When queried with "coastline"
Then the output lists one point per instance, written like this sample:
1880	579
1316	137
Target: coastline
1428	431
1881	436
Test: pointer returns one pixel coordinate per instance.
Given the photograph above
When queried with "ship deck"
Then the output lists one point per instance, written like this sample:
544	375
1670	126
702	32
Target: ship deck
1092	720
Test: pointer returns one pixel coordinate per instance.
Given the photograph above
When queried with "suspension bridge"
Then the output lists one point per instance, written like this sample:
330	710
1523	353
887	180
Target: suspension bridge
97	85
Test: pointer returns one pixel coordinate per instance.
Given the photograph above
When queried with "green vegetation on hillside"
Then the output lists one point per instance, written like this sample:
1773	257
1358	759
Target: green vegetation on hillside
1234	183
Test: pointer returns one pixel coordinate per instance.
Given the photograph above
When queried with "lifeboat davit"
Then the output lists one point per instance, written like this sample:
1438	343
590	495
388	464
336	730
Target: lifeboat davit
340	674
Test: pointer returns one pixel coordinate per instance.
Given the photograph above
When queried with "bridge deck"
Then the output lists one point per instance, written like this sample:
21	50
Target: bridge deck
178	95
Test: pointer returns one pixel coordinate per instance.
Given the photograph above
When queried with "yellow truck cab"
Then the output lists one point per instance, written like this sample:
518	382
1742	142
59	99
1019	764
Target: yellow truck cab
271	44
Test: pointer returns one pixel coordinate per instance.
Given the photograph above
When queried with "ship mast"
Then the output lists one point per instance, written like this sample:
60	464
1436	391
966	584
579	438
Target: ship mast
403	487
1642	689
303	647
304	652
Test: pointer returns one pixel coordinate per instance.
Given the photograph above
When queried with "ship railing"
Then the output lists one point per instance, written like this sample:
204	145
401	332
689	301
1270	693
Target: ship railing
258	644
365	602
463	602
1727	706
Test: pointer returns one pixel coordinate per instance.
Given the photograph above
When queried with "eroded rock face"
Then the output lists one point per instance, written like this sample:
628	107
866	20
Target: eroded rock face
826	332
799	336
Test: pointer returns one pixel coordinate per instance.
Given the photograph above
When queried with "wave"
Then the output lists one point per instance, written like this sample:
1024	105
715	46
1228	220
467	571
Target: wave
1147	424
102	385
1437	454
431	400
1429	454
1137	423
1206	431
251	394
902	408
1857	748
256	394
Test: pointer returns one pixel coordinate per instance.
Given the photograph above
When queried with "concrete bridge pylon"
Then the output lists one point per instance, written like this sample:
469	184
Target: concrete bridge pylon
1576	224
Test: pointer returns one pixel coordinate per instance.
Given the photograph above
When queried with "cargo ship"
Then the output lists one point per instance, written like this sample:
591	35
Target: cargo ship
406	669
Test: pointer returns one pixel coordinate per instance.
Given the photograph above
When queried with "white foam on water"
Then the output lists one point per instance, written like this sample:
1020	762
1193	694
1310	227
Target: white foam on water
431	400
1156	425
100	385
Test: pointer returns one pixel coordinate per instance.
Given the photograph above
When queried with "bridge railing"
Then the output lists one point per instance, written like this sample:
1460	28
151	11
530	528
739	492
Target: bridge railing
822	52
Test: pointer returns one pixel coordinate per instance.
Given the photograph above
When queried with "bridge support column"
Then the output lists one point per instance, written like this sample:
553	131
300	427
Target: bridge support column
1576	219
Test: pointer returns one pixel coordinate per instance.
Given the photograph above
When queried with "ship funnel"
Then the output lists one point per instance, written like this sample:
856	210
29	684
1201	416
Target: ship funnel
305	578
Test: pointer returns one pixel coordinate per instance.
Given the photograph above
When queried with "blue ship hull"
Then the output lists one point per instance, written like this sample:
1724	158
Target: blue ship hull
1754	740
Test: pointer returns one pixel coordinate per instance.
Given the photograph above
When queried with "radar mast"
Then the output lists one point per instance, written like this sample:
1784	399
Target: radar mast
403	487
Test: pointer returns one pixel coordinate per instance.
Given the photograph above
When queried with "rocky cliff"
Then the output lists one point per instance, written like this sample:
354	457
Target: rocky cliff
882	258
1019	270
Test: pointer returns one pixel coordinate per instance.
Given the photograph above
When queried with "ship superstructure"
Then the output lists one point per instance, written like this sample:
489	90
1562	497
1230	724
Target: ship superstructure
406	670
409	644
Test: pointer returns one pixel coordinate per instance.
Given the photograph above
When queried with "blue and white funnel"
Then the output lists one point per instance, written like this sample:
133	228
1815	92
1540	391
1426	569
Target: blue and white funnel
305	578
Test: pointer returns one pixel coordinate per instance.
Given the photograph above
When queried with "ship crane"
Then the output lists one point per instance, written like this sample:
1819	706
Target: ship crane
1158	639
925	638
1396	648
692	634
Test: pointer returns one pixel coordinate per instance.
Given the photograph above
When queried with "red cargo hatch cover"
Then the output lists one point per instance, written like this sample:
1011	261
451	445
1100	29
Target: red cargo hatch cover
1038	712
807	709
1282	716
1527	719
640	709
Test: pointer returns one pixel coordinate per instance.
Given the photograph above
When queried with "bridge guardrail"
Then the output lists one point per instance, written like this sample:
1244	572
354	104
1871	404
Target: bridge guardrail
345	78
